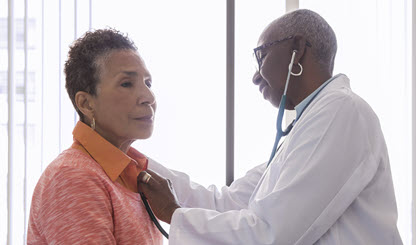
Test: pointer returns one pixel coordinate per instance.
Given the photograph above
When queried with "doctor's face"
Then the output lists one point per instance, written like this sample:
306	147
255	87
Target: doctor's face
124	107
273	55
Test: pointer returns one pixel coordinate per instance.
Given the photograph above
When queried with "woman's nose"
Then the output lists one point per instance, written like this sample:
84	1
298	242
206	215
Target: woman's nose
146	96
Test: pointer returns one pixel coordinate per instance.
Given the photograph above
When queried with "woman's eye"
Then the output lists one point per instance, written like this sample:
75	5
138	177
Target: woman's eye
126	84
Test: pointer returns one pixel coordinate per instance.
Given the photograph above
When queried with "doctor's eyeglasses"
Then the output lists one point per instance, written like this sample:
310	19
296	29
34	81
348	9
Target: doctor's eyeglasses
259	54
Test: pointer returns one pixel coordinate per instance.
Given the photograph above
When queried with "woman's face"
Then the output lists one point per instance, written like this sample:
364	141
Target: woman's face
124	105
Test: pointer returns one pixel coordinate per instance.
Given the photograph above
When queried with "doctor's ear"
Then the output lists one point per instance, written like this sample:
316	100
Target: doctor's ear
85	103
299	44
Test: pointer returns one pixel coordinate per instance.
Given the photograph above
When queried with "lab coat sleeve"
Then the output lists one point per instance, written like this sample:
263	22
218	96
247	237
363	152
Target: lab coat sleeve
328	161
191	194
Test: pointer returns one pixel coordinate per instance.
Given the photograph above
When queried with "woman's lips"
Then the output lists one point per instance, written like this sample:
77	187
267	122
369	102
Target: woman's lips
148	118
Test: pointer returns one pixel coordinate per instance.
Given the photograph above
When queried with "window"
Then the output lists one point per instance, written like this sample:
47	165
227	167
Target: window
3	124
185	53
254	138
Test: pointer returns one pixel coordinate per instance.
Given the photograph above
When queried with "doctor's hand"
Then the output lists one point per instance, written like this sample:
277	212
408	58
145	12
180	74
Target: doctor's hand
159	193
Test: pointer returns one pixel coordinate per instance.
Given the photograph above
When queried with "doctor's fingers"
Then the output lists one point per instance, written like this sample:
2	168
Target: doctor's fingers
160	195
149	180
155	186
143	180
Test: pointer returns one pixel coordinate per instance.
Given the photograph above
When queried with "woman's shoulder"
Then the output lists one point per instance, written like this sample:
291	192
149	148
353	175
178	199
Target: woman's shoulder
76	162
73	174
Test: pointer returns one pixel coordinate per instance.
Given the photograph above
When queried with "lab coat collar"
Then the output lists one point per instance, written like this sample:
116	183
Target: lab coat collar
304	103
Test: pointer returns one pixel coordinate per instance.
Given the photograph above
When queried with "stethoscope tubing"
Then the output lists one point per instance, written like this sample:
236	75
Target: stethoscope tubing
280	114
153	217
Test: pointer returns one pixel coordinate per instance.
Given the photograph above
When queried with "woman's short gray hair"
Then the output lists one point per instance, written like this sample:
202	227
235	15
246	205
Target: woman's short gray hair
315	29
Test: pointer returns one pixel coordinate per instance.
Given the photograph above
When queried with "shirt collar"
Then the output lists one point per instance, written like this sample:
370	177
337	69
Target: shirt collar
304	103
111	159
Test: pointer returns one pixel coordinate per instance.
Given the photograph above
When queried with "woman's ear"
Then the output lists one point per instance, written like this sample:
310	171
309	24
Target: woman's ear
299	44
85	104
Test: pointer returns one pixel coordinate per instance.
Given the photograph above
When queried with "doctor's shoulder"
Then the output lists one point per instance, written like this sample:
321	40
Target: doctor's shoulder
346	98
338	107
356	104
357	115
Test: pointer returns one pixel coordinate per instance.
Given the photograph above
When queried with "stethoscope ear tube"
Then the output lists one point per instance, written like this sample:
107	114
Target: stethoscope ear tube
152	216
280	114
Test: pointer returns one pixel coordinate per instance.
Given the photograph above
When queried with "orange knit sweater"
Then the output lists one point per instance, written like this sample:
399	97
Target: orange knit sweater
87	195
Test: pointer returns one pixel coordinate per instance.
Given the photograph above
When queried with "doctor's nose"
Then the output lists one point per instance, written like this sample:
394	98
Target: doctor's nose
257	78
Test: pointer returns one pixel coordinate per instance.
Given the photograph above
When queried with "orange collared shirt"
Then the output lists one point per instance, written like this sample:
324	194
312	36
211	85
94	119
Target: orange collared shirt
87	195
118	166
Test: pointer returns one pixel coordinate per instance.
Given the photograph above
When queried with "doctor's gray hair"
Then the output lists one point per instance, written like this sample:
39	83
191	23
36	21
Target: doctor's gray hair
315	29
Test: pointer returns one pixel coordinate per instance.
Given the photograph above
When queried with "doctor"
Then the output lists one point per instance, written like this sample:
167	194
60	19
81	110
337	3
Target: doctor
328	183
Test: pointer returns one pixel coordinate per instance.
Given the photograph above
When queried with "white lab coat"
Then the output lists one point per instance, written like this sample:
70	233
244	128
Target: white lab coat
329	184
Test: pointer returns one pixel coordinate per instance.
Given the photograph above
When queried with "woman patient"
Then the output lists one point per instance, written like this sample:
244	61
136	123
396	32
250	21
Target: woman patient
88	194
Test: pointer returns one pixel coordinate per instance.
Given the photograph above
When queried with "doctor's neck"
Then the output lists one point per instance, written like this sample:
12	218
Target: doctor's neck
301	87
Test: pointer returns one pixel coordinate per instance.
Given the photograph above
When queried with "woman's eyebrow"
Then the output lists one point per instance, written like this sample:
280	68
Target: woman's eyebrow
147	76
130	73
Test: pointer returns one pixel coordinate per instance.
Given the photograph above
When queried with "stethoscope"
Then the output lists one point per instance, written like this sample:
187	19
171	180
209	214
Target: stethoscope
282	105
279	135
280	114
153	217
